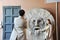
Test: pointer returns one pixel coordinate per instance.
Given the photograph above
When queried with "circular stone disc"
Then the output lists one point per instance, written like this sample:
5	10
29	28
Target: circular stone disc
39	12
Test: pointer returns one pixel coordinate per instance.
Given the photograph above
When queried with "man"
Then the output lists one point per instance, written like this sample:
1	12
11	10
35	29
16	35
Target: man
18	32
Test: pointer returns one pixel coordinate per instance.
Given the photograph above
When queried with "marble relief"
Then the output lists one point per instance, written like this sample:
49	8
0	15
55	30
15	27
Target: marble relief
40	24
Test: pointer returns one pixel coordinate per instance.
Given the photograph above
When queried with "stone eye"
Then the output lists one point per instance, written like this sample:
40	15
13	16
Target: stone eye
33	20
39	21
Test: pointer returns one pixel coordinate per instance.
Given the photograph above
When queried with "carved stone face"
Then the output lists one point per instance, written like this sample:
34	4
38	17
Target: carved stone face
37	23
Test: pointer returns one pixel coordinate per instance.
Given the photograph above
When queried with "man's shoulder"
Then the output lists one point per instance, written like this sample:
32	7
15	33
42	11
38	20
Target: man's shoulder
16	18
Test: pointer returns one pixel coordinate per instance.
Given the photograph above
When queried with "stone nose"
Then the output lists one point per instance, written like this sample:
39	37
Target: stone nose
36	24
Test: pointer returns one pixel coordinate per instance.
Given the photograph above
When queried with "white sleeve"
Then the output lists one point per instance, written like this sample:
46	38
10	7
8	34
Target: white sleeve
15	22
17	25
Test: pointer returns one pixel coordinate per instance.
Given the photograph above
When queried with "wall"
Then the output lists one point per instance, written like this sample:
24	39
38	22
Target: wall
27	4
59	20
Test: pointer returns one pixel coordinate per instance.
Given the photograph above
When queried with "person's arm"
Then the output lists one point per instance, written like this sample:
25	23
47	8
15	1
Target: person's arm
17	25
24	23
50	31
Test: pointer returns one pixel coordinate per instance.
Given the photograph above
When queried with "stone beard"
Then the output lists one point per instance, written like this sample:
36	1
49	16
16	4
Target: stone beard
37	26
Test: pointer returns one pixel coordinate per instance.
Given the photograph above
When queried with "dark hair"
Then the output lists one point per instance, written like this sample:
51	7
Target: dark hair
21	12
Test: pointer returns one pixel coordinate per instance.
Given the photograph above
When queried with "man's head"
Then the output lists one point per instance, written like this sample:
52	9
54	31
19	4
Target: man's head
21	12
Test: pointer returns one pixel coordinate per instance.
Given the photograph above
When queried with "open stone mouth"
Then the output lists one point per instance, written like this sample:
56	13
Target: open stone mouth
36	28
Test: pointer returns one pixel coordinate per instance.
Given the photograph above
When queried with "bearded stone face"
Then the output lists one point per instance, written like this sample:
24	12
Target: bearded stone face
37	20
37	23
